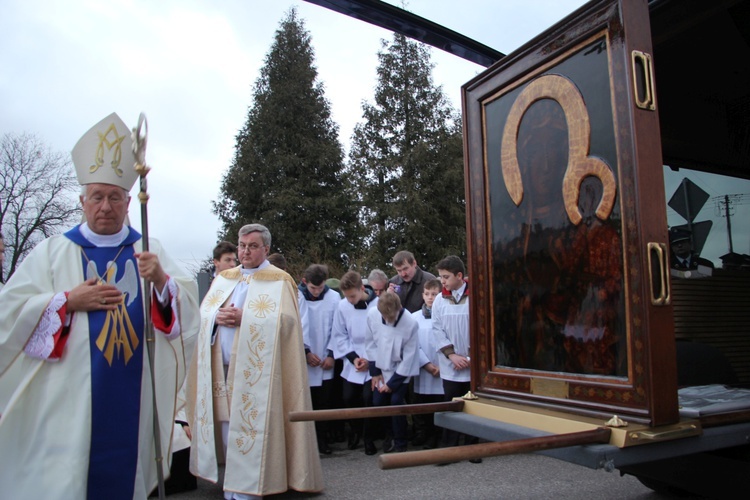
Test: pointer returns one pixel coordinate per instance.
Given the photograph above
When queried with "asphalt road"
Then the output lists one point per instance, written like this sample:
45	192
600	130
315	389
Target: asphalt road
354	475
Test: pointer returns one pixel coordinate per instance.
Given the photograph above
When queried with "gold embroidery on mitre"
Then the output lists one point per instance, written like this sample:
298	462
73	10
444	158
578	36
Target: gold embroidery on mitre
263	305
105	139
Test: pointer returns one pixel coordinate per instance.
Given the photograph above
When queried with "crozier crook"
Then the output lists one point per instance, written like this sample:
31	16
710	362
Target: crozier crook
580	165
140	139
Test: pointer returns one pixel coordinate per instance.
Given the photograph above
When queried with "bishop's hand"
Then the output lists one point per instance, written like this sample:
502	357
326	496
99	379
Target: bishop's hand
150	269
90	296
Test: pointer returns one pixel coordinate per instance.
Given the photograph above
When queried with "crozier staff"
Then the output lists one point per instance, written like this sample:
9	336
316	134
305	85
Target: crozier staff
75	387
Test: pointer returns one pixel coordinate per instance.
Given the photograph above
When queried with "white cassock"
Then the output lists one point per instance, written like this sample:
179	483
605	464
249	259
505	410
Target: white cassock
425	382
393	348
450	325
349	335
317	326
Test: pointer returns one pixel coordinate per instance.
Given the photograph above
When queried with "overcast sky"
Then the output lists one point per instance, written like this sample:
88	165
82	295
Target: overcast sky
190	66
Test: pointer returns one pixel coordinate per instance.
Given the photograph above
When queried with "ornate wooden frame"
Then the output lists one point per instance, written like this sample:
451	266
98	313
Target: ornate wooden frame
554	67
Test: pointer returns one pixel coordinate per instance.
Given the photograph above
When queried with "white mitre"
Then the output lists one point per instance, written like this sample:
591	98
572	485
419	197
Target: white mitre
104	155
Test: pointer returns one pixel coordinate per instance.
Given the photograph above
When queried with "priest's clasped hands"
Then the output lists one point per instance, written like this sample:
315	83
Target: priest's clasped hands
229	316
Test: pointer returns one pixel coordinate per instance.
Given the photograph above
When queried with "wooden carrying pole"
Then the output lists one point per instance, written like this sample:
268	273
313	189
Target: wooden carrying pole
483	450
139	148
374	411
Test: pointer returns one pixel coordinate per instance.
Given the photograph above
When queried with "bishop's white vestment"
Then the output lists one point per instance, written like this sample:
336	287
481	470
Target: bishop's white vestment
75	388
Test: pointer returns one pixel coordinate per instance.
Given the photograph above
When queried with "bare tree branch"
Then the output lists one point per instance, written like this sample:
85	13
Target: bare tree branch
37	195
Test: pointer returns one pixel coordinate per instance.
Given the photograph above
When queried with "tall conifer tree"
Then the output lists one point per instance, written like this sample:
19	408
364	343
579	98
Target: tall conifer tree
406	156
288	171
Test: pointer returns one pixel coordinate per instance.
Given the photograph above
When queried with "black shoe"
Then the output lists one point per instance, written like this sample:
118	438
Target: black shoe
370	448
388	444
419	439
324	449
475	460
431	443
353	441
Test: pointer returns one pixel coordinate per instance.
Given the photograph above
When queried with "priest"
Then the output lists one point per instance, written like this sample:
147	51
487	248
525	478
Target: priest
75	382
248	373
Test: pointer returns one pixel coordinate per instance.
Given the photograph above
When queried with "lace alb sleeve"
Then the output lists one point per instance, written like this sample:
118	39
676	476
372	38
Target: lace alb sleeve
41	343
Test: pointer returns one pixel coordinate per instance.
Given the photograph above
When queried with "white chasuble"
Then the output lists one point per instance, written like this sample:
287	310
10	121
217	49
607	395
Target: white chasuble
46	405
267	379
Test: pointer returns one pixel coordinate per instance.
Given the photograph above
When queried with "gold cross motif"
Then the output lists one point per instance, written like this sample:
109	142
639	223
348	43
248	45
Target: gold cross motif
262	305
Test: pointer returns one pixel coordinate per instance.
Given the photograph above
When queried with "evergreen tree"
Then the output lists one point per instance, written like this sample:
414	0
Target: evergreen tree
407	158
288	172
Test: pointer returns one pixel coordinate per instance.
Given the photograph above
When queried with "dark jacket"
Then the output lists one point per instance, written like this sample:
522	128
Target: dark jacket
411	292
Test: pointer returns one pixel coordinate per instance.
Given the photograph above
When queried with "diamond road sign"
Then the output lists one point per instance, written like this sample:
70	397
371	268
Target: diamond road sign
688	200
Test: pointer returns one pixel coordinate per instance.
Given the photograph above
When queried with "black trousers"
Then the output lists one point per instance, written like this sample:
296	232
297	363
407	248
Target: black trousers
424	424
360	396
452	390
322	397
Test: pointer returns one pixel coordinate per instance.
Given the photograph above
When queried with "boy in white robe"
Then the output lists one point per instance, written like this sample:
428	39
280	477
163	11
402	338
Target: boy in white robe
348	340
320	303
450	329
392	348
428	387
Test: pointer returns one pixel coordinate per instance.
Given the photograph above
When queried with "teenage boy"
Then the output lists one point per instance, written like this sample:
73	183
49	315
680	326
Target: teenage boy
225	256
321	303
450	329
392	347
348	342
428	387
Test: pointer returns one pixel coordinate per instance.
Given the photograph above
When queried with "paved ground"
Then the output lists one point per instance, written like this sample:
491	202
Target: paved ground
354	475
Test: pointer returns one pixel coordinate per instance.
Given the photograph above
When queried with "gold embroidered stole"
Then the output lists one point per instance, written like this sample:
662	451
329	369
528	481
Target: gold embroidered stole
221	391
267	378
252	383
209	390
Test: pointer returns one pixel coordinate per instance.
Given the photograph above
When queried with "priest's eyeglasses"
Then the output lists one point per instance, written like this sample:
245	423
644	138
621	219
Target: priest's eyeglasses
250	248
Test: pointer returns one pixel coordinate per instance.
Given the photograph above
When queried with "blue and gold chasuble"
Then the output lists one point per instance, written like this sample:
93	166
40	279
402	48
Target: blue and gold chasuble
116	346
